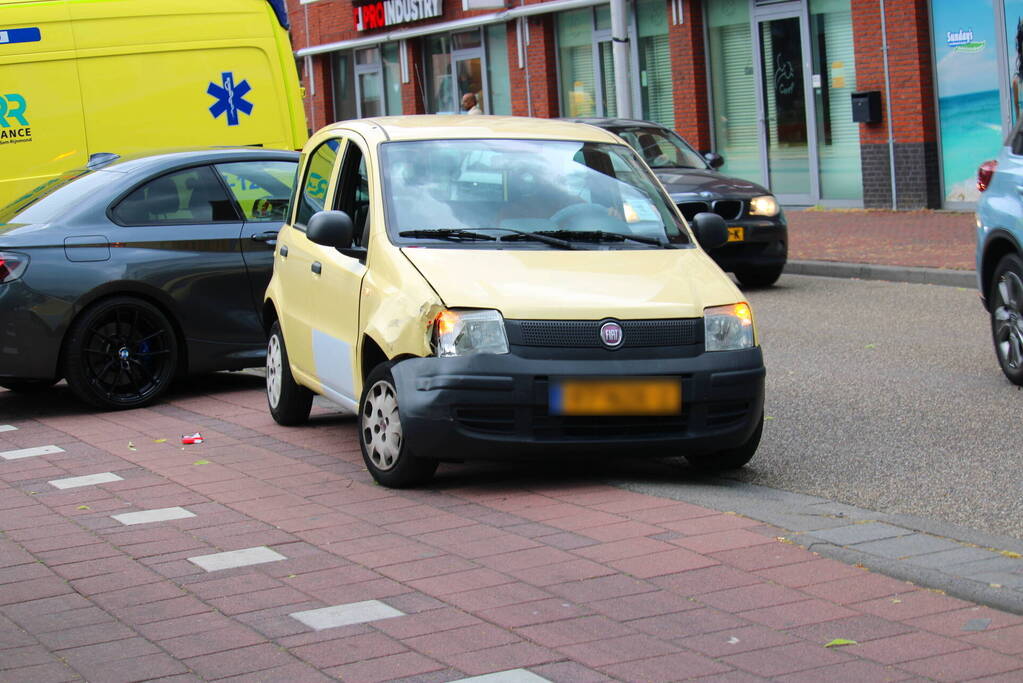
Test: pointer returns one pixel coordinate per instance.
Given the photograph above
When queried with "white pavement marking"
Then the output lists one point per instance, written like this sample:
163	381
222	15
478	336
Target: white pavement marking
8	428
510	676
29	452
236	558
344	615
87	480
146	516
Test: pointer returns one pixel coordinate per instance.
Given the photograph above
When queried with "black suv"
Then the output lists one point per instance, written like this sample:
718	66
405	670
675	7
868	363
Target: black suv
757	246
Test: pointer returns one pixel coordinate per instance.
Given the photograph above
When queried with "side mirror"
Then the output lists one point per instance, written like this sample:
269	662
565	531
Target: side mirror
331	229
714	159
711	231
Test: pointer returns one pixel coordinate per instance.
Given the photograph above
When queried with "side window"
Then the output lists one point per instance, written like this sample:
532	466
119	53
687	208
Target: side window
262	189
313	196
353	192
193	195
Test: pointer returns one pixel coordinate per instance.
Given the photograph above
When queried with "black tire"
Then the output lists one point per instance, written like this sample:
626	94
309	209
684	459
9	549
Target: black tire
1005	301
27	386
762	276
120	353
731	458
289	401
384	449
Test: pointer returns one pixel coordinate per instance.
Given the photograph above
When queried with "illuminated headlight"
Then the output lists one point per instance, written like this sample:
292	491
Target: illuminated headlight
728	328
763	206
465	332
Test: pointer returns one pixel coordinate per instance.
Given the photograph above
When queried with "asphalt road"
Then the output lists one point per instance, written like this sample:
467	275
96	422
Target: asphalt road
888	396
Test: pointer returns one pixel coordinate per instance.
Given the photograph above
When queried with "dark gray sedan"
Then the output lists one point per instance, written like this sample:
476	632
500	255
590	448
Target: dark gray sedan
127	273
757	246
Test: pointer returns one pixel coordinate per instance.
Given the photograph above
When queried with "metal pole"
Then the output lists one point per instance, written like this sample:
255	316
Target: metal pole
620	58
888	103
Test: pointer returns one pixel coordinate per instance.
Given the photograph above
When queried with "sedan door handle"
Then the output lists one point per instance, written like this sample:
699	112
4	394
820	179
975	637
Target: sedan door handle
316	267
268	236
284	251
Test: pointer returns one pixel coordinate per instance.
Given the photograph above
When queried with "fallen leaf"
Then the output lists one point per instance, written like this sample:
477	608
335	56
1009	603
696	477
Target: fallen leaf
896	601
839	642
84	507
201	462
870	346
1009	553
159	440
768	417
995	585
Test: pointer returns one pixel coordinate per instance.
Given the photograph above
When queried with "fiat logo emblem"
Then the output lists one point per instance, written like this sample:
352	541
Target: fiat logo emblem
611	335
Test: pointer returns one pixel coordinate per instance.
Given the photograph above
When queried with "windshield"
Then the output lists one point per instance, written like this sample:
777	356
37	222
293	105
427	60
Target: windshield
585	190
661	148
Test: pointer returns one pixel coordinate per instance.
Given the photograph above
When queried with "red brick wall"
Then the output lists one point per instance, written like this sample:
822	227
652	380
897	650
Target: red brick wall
909	68
689	67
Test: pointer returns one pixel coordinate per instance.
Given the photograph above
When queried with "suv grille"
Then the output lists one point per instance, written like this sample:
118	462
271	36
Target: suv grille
586	333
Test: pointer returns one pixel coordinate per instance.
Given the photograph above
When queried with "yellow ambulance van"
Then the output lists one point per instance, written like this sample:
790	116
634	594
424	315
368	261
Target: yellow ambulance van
83	77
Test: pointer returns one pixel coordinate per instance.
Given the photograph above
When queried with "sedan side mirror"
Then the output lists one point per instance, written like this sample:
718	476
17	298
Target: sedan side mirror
711	231
331	229
714	159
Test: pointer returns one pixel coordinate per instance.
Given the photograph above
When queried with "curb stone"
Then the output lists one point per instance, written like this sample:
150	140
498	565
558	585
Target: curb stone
870	271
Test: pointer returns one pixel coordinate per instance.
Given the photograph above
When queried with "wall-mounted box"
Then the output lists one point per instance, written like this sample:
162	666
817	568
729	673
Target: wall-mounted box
866	106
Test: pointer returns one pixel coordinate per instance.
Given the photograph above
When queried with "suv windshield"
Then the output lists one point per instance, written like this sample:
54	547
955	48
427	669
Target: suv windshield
577	191
661	148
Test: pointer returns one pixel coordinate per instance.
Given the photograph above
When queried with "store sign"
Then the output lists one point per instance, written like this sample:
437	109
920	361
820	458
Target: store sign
962	41
390	12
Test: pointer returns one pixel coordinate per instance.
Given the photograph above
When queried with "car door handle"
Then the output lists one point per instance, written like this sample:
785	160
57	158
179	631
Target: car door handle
316	267
270	237
284	251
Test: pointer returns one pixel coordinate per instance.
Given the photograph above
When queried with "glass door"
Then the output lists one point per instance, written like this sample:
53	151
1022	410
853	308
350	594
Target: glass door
788	142
470	79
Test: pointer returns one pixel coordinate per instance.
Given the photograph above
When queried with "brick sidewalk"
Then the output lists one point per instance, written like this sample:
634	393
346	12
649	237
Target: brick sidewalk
565	577
929	239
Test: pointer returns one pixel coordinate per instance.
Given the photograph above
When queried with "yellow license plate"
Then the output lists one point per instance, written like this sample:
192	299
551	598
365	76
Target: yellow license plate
736	234
633	396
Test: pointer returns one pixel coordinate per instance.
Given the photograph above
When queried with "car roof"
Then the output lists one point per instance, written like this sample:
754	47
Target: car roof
616	123
168	158
461	126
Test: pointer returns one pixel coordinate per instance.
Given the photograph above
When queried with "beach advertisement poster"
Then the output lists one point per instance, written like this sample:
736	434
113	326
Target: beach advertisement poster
969	104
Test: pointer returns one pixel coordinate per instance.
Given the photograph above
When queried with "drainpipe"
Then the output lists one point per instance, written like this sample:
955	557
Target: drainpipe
620	57
888	106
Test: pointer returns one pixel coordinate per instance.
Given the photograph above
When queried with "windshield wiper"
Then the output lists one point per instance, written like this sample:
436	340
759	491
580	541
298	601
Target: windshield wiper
460	234
603	236
457	234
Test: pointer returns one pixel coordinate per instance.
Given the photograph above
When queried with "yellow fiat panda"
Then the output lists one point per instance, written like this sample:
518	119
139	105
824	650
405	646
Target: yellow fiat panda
489	287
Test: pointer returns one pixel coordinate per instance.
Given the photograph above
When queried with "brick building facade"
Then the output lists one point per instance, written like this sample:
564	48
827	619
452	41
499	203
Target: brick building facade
766	83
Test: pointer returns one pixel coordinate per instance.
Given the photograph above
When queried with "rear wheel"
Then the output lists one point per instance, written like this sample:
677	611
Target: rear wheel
730	458
759	276
384	449
289	401
1006	304
121	353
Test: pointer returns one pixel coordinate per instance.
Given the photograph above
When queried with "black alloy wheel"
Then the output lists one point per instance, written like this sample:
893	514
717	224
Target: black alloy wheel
1006	303
121	353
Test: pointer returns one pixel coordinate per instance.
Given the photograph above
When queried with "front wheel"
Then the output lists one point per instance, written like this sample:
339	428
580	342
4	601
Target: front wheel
121	353
289	401
384	449
759	276
730	458
1006	304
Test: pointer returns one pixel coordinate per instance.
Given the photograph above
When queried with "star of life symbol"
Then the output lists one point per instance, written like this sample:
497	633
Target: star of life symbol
230	98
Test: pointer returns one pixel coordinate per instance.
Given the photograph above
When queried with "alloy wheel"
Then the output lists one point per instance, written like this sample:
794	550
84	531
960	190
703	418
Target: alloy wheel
1008	318
127	354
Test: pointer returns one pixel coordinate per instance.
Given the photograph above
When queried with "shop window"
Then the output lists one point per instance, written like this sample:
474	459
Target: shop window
655	76
367	82
440	97
345	106
575	52
838	136
497	70
730	51
461	72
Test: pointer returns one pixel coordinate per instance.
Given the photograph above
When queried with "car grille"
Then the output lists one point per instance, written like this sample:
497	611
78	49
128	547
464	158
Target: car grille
729	209
586	333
